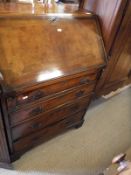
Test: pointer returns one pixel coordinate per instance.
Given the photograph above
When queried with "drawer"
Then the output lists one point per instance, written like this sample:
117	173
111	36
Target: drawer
48	118
42	107
32	96
47	133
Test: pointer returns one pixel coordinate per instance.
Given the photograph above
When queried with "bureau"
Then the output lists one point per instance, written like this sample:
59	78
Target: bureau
50	62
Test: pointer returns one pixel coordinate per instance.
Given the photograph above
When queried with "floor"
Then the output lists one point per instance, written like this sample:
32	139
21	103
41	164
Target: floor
88	150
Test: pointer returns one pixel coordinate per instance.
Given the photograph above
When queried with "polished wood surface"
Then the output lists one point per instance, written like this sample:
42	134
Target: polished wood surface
49	118
32	111
110	14
48	90
35	50
47	133
51	58
118	71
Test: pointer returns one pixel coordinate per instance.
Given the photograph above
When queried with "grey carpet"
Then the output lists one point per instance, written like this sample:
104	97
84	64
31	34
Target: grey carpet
88	150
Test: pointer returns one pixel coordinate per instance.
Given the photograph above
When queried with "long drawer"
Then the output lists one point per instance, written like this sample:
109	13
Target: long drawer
47	133
64	98
43	92
49	118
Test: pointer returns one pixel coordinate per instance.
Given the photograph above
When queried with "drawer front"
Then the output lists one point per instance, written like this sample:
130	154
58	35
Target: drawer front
47	133
48	119
35	95
42	107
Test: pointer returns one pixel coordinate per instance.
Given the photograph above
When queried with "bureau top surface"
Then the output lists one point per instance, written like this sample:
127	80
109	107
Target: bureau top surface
35	49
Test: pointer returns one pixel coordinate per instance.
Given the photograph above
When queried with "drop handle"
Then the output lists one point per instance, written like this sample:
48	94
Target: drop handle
38	94
36	111
36	125
31	97
83	81
80	93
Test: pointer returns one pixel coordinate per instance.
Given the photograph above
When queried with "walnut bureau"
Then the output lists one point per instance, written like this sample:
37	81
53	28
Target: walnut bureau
49	66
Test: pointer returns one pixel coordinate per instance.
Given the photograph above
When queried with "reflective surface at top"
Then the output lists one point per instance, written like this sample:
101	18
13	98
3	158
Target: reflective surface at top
31	7
34	50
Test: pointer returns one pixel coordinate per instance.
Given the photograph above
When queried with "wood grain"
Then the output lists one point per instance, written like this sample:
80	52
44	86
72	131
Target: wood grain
110	14
49	118
50	90
117	73
50	52
28	142
50	62
4	153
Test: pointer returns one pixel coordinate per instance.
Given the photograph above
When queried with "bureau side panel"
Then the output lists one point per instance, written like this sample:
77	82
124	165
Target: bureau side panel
4	154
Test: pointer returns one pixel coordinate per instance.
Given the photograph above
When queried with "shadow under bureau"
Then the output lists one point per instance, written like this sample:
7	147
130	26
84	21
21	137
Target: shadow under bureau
49	66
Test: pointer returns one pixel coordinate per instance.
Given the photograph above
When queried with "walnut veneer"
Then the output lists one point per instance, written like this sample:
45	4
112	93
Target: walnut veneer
51	58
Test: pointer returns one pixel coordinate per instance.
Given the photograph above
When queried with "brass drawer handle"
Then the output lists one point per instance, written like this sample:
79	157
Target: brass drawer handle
80	93
38	94
28	98
36	125
83	81
36	111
